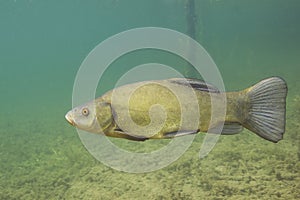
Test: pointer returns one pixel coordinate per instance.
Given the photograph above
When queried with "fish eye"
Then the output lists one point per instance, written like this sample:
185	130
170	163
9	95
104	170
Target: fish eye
85	111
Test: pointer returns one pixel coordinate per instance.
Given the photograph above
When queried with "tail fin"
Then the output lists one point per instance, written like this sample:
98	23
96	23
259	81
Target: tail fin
266	115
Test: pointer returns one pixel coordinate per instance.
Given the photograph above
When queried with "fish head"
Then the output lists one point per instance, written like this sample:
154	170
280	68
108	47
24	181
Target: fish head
93	117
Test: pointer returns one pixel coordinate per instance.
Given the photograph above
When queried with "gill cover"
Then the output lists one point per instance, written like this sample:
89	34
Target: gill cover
104	116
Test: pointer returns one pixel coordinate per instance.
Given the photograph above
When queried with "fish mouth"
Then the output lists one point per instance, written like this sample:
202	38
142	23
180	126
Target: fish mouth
70	119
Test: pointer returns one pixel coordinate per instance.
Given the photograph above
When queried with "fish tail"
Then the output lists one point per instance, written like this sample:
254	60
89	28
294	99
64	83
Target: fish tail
267	108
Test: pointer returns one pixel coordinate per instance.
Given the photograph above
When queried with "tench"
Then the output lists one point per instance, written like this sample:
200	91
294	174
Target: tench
153	110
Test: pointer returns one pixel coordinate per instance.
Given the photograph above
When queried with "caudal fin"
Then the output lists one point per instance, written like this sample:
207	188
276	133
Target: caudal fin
266	115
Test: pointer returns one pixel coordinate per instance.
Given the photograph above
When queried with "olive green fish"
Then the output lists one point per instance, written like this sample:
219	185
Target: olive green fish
176	107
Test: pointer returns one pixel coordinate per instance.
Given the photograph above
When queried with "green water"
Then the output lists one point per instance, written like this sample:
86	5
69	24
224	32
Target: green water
42	45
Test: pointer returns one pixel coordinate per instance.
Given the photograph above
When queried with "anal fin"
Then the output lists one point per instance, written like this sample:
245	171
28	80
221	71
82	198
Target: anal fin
229	128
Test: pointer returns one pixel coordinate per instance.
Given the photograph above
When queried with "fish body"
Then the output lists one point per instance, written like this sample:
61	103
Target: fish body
175	107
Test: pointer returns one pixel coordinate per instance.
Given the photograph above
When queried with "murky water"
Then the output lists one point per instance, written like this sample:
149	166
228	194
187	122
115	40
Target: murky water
42	45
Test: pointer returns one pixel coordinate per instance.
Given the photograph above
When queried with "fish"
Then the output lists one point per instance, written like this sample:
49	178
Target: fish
169	108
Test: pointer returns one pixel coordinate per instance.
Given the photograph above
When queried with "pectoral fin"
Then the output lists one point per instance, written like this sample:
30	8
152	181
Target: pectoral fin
118	133
179	133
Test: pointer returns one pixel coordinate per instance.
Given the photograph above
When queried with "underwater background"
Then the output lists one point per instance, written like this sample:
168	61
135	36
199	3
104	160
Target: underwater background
42	45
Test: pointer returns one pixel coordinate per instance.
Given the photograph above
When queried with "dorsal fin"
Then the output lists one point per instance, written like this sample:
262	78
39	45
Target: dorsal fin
196	84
